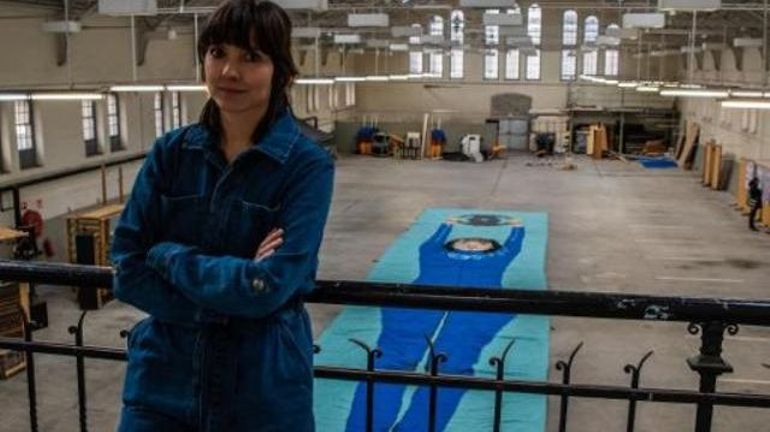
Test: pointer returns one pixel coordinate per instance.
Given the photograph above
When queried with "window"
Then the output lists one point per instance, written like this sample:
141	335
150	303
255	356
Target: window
570	28
25	138
535	23
491	39
611	60
590	55
592	30
176	110
415	55
512	64
457	36
113	122
158	109
568	65
590	63
436	64
533	66
88	110
569	41
534	30
350	94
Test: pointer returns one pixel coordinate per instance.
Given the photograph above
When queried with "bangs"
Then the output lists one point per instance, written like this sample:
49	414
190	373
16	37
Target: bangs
239	24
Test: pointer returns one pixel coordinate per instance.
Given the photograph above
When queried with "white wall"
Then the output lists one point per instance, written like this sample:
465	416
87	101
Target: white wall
741	132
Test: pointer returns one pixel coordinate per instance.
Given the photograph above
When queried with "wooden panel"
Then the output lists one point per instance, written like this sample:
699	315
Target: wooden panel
105	212
706	164
716	166
9	234
689	145
741	193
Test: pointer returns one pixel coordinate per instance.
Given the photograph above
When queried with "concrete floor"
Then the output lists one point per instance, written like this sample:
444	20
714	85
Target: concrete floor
613	227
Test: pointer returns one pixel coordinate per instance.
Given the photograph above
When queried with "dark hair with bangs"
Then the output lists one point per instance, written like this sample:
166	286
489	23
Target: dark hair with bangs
252	25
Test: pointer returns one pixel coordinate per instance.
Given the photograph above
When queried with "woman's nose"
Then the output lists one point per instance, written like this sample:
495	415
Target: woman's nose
230	70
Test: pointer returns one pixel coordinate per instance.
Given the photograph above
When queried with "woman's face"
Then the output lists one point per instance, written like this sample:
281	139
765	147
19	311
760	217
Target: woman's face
473	245
238	80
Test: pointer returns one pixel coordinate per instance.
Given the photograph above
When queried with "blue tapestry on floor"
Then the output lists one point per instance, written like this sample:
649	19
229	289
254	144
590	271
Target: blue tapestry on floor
657	163
463	247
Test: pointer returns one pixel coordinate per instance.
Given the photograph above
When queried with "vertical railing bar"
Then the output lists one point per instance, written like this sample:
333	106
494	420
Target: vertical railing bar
30	366
499	362
81	374
567	368
371	355
635	372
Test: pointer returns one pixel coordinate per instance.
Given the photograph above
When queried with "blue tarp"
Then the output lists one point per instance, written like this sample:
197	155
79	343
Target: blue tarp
490	249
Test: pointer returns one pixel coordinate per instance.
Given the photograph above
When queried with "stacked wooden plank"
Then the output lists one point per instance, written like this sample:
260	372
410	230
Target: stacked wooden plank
95	223
11	325
712	166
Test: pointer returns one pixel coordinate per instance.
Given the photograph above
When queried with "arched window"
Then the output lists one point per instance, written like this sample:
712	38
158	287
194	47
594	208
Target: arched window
591	55
592	30
534	30
570	28
436	65
457	36
491	53
415	55
612	55
569	40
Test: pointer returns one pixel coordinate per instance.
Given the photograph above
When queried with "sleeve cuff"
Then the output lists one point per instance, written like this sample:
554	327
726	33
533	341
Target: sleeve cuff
159	256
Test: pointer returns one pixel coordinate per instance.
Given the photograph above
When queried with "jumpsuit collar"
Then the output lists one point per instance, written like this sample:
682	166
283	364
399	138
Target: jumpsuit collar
276	144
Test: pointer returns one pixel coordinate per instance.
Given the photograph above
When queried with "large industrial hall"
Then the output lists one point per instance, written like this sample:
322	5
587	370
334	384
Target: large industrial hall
384	216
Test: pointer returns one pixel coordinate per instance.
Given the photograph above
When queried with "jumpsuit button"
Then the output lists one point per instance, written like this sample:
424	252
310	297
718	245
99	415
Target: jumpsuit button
258	285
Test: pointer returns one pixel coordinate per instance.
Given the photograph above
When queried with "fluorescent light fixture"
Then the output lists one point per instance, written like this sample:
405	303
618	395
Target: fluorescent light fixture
349	79
604	40
746	104
399	77
747	94
706	93
136	88
319	5
306	32
431	39
611	82
506	19
689	5
314	81
9	97
186	87
128	7
368	20
378	43
747	42
690	50
62	27
399	47
713	46
646	88
414	76
347	38
644	20
404	31
66	96
487	3
380	78
628	84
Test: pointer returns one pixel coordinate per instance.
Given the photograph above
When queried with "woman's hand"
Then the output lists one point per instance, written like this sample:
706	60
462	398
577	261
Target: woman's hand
273	241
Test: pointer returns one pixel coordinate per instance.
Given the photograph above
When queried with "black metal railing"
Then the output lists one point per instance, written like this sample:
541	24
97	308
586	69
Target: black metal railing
710	317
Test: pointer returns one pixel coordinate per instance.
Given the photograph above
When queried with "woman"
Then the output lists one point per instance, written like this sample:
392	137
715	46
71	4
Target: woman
228	344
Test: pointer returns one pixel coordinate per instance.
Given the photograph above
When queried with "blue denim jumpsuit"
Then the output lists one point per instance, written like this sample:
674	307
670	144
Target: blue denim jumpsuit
228	343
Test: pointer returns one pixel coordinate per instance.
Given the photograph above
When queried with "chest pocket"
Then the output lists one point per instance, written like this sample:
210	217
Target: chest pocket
184	217
247	225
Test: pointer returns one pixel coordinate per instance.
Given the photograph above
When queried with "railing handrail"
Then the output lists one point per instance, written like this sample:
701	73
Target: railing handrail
559	303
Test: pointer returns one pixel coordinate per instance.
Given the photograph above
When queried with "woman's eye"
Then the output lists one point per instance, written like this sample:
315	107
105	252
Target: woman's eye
253	56
216	51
